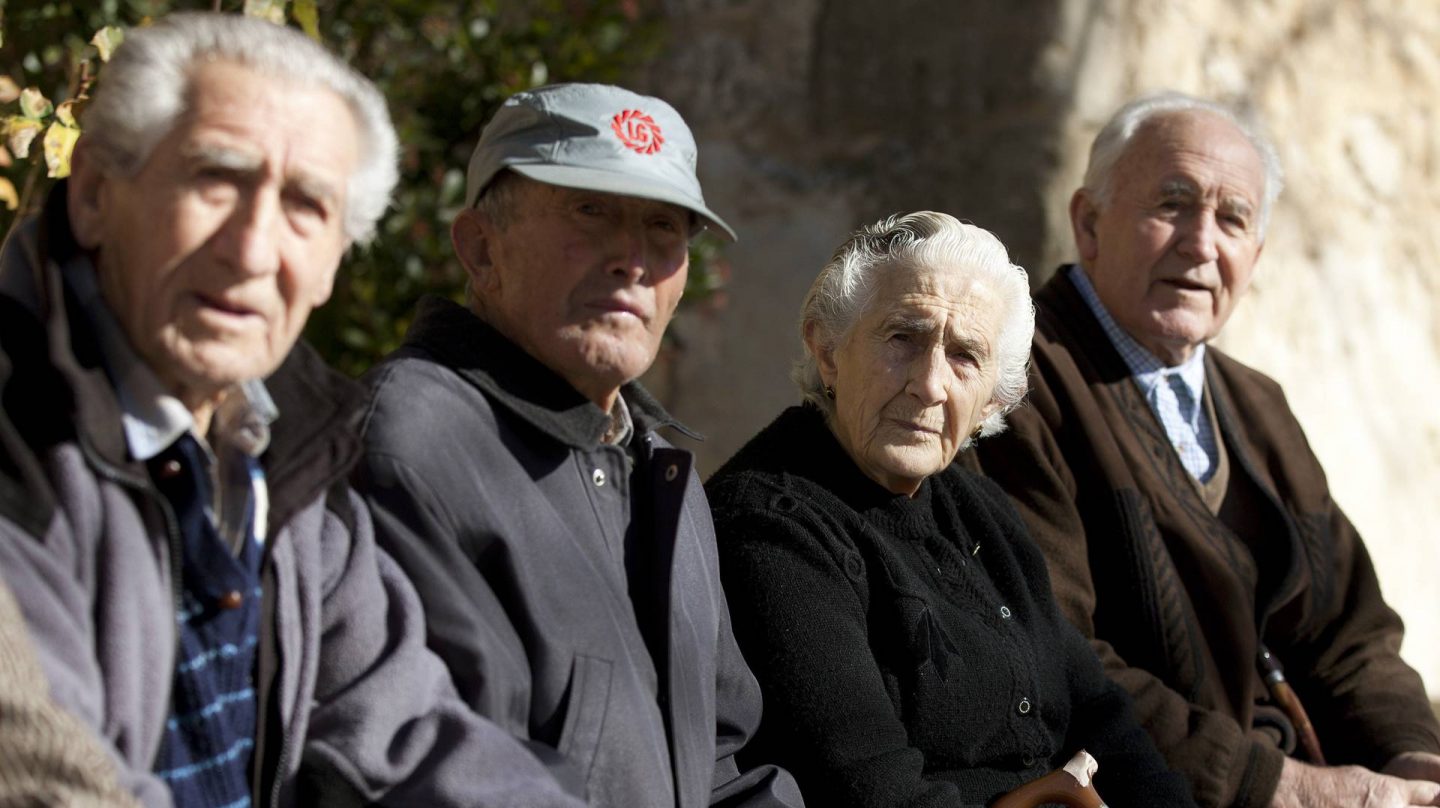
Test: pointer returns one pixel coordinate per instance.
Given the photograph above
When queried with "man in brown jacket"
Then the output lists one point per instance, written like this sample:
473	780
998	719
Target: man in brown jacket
1187	524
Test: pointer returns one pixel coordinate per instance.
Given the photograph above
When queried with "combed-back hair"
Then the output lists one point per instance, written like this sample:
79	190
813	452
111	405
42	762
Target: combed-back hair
144	90
1115	138
844	289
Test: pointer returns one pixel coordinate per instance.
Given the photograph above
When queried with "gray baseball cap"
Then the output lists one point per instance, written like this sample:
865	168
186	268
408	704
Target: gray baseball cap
596	137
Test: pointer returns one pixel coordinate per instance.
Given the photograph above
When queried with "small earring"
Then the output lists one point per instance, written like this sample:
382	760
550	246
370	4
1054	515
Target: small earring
829	392
978	430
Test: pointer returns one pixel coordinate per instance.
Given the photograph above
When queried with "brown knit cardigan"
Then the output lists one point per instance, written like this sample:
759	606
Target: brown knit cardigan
47	757
1176	598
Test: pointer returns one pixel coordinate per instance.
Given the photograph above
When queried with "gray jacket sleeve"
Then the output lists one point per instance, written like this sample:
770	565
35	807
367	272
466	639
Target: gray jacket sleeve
56	582
387	721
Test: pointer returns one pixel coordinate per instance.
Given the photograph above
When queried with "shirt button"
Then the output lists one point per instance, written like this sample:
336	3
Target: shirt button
598	477
1005	612
231	600
1023	707
671	472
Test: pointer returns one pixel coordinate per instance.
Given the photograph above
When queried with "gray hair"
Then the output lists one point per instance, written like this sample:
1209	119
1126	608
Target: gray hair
844	289
142	94
1117	134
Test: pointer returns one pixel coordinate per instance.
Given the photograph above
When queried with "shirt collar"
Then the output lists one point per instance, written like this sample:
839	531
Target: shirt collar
1145	367
152	418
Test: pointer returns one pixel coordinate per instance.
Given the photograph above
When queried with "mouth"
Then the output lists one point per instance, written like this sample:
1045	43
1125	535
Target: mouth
1183	284
914	427
620	307
224	308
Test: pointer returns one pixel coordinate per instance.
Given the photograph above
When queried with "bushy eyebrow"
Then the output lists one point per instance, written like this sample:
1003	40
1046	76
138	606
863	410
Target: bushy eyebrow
247	163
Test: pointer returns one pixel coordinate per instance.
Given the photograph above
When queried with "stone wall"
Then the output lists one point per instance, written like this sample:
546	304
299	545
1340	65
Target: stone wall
814	117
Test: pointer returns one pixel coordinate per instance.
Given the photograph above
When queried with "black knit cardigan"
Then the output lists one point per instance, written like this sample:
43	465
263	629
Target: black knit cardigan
909	650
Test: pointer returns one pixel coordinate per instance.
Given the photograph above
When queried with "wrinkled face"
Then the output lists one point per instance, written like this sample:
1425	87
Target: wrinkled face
584	281
915	375
214	254
1176	247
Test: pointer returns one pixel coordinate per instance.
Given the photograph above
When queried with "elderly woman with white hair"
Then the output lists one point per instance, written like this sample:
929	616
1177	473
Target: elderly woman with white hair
896	613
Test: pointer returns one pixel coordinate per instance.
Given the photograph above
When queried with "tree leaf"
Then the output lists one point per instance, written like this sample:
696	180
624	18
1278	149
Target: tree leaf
272	10
66	113
9	90
19	133
8	195
59	144
5	159
308	16
34	104
106	40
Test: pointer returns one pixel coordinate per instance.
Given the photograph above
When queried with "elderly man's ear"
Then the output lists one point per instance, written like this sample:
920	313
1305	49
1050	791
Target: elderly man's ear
470	233
85	197
1083	215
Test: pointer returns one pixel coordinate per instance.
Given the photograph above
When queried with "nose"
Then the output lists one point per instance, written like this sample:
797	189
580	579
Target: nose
630	251
929	380
1198	237
249	240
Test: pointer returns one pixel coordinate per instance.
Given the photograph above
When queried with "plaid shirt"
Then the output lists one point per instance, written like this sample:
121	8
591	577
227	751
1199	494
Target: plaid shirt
1174	393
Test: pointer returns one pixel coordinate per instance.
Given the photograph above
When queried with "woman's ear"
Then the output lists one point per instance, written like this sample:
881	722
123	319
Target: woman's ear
823	351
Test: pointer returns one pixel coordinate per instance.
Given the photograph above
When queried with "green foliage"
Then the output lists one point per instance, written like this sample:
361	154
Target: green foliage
445	66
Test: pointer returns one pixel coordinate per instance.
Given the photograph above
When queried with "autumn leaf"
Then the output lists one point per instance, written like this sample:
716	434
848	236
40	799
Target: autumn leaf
8	195
20	132
305	13
106	40
272	10
9	90
59	144
68	111
5	159
34	104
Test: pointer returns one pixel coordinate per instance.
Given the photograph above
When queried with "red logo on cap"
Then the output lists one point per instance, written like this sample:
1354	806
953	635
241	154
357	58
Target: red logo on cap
638	131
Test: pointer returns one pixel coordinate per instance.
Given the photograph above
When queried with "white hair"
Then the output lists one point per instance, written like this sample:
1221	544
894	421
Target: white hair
844	289
143	92
1110	145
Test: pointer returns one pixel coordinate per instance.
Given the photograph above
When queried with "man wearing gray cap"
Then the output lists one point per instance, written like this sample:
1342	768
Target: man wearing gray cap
564	549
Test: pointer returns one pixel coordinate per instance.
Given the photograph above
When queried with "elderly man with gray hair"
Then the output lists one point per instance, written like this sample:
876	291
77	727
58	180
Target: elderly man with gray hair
1188	527
202	587
563	548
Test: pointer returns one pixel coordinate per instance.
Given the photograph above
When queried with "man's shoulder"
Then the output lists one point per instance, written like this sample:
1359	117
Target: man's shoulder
416	401
1239	375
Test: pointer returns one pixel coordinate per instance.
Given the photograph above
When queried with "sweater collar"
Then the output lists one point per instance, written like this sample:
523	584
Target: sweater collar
506	374
807	442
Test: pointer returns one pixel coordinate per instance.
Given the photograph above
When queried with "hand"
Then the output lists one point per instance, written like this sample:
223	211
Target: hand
1305	786
1415	766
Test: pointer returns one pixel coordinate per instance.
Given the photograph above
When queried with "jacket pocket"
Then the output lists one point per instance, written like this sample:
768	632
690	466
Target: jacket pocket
585	711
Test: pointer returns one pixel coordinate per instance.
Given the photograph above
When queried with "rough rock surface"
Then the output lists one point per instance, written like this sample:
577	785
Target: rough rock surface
814	117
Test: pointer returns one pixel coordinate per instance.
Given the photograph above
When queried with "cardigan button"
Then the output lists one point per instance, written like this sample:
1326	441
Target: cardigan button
1005	612
232	600
1023	707
1027	761
170	468
598	477
671	472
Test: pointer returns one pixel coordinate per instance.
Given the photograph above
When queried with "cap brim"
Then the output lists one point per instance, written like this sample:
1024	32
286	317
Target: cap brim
610	182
